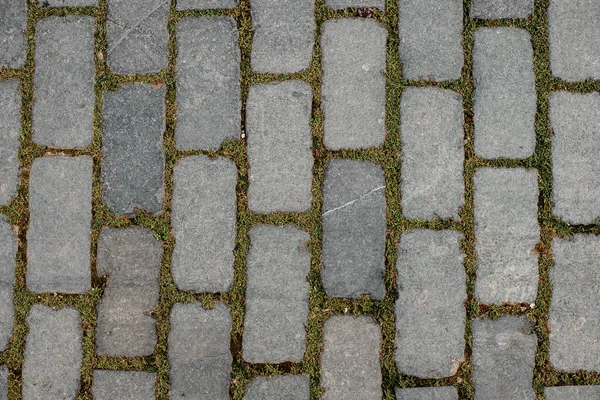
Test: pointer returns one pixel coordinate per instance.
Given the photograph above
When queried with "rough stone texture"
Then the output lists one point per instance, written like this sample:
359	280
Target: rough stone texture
574	34
431	39
288	387
426	393
64	53
58	239
284	35
430	311
137	36
132	149
572	393
276	295
354	229
8	251
200	368
3	382
341	4
507	231
13	21
53	354
10	138
353	83
575	118
350	367
497	9
505	97
205	4
280	147
123	385
208	83
131	259
574	315
432	153
67	3
204	218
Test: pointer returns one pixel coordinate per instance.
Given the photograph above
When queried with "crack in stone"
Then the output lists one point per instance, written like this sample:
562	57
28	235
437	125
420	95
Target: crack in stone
354	201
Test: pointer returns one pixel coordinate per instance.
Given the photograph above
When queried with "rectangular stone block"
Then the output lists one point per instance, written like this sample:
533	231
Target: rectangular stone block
123	385
427	393
8	252
67	3
280	147
354	229
498	9
3	382
430	311
505	98
507	231
208	83
350	367
133	160
431	129
10	139
204	219
64	82
572	393
58	239
431	39
13	21
353	83
205	4
276	295
200	368
289	387
341	4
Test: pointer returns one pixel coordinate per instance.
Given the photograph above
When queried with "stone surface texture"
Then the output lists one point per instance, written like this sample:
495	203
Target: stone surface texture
3	382
498	9
13	21
572	393
341	4
288	387
8	251
67	3
205	4
123	385
10	139
425	393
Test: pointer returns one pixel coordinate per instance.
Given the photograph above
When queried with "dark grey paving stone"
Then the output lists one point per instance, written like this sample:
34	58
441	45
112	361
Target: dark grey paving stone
350	367
426	393
507	231
574	315
505	97
8	251
574	34
130	258
200	368
3	382
123	385
353	82
58	239
67	3
503	358
137	36
53	354
341	4
205	4
284	35
208	83
497	9
204	218
572	393
276	295
289	387
280	147
574	118
64	52
13	21
133	160
430	332
10	138
432	136
354	229
431	39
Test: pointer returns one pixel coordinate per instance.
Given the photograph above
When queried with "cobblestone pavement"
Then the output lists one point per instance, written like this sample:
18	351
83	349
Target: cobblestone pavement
300	199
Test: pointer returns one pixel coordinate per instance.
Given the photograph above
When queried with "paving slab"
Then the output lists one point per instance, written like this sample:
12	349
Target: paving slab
341	4
8	252
13	22
289	387
572	393
67	3
3	382
10	139
123	385
426	393
205	4
499	9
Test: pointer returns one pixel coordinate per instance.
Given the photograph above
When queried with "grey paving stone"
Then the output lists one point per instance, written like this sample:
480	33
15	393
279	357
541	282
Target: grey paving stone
426	393
53	354
137	36
123	385
341	4
505	97
574	118
430	332
8	251
284	35
204	218
507	231
431	39
205	4
200	368
432	136
279	147
67	3
208	83
10	139
503	358
574	33
353	83
133	160
289	387
64	52
354	229
3	382
572	393
350	367
276	295
13	21
58	239
130	258
497	9
574	315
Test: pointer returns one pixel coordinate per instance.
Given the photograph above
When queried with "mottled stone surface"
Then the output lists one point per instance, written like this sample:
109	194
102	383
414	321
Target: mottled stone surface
123	385
10	139
288	387
497	9
13	21
426	393
8	251
572	393
341	4
205	4
3	382
67	3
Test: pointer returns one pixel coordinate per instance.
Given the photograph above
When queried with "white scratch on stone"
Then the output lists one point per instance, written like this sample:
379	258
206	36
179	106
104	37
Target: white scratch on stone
354	201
